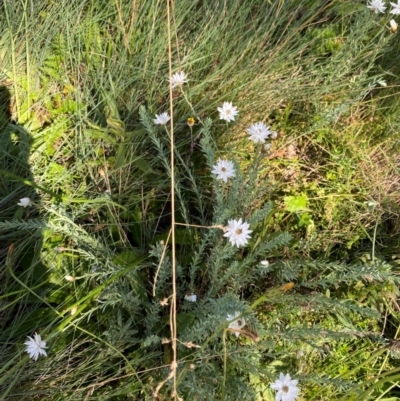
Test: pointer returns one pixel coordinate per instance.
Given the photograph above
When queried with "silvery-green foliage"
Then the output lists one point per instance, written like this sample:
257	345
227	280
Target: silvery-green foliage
208	322
120	333
217	273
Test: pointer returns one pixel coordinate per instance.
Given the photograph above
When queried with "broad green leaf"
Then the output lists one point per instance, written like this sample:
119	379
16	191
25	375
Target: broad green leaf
296	203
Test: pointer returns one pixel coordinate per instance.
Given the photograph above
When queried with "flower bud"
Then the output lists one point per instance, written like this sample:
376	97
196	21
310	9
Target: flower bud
393	26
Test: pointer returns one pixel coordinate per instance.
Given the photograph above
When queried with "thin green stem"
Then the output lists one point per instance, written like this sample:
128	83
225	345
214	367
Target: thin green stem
374	239
225	364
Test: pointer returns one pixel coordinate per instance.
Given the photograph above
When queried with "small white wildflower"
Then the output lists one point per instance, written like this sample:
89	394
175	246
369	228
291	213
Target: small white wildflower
378	6
35	346
393	26
70	278
24	202
396	8
178	79
227	112
258	132
237	324
237	232
267	147
161	119
191	298
264	263
286	388
224	170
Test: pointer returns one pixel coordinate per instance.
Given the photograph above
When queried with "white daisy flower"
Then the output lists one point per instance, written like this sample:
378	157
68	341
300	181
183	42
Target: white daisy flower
237	232
227	112
161	119
224	170
258	132
178	79
35	346
378	6
395	10
286	388
237	324
24	202
191	298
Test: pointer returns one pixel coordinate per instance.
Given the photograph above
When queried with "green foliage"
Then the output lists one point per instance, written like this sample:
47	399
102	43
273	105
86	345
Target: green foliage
82	82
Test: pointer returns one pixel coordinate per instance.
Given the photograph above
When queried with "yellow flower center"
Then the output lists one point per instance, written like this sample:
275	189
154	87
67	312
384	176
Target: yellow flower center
238	231
223	169
285	389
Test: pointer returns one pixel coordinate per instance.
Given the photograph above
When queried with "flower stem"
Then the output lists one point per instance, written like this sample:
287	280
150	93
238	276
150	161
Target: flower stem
224	367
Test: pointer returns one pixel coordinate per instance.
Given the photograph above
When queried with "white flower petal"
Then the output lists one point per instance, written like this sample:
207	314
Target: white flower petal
43	352
286	388
259	132
161	119
178	79
227	112
191	298
378	6
224	170
237	232
395	10
35	346
24	202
